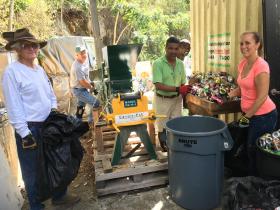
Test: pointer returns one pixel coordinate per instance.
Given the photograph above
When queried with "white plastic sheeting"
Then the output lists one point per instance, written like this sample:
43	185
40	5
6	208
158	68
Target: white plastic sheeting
58	56
10	196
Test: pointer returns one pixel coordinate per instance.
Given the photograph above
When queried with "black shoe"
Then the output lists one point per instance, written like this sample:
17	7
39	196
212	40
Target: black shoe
163	146
67	201
80	112
162	140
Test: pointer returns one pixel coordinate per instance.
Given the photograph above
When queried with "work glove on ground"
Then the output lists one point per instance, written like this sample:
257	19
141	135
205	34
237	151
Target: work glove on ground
184	89
29	142
243	122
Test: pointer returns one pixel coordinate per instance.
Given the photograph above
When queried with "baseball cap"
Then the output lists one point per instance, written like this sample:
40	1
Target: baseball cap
80	48
185	41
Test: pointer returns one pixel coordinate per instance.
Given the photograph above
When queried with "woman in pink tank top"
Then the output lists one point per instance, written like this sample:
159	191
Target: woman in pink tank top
253	86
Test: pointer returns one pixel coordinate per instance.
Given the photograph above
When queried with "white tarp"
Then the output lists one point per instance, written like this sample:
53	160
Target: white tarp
10	196
58	56
5	59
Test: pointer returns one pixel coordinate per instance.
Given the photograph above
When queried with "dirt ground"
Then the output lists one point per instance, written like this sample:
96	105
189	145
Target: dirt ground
83	185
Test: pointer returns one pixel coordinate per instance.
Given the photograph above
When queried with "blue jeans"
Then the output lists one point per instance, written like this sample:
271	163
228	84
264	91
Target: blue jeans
84	97
28	164
259	125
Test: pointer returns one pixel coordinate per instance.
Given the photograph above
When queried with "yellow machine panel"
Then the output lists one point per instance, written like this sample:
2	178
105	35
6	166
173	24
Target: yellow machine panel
130	109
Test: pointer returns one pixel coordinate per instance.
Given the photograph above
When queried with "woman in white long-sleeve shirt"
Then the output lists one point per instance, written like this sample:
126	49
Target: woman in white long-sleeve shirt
29	99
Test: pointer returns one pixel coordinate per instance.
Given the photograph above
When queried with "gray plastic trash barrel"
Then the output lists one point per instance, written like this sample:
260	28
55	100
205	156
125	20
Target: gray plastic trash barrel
196	160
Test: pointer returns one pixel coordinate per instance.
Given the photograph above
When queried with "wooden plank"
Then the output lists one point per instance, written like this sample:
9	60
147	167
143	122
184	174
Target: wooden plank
95	153
109	137
152	133
107	167
110	143
138	156
101	157
109	133
141	151
137	178
101	123
98	171
132	161
97	164
100	185
107	128
133	171
122	185
105	144
98	138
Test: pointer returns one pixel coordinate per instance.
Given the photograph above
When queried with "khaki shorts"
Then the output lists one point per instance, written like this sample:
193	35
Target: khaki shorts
170	107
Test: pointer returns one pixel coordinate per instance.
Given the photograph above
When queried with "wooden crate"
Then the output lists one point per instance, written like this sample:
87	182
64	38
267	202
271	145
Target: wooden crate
202	106
136	172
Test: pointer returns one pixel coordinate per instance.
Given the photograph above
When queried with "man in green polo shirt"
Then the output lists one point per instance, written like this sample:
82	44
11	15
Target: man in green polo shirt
169	79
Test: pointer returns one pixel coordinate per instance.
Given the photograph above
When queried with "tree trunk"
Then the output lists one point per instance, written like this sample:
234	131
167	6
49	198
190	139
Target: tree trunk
11	15
96	33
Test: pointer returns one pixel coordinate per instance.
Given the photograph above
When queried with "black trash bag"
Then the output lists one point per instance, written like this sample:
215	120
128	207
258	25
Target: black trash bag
236	159
251	193
60	153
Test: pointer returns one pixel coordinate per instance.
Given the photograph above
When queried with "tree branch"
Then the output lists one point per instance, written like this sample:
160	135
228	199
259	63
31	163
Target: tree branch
11	15
61	14
115	28
122	33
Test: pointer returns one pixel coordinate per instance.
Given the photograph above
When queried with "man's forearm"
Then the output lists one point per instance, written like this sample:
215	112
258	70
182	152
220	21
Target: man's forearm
85	84
160	86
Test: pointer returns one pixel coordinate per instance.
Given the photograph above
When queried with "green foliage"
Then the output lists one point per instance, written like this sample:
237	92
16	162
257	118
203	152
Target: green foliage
150	22
153	22
4	15
36	17
82	5
21	5
33	14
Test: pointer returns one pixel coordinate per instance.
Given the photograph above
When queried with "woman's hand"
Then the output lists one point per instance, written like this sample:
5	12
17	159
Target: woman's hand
234	93
231	94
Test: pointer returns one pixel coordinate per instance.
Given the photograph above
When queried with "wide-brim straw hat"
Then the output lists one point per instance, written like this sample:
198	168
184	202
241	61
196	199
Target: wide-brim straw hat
22	34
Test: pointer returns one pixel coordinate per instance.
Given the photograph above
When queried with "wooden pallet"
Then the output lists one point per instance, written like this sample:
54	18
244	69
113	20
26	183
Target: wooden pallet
135	172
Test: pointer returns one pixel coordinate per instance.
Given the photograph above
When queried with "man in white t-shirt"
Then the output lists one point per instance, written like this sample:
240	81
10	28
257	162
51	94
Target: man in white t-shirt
82	86
185	56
